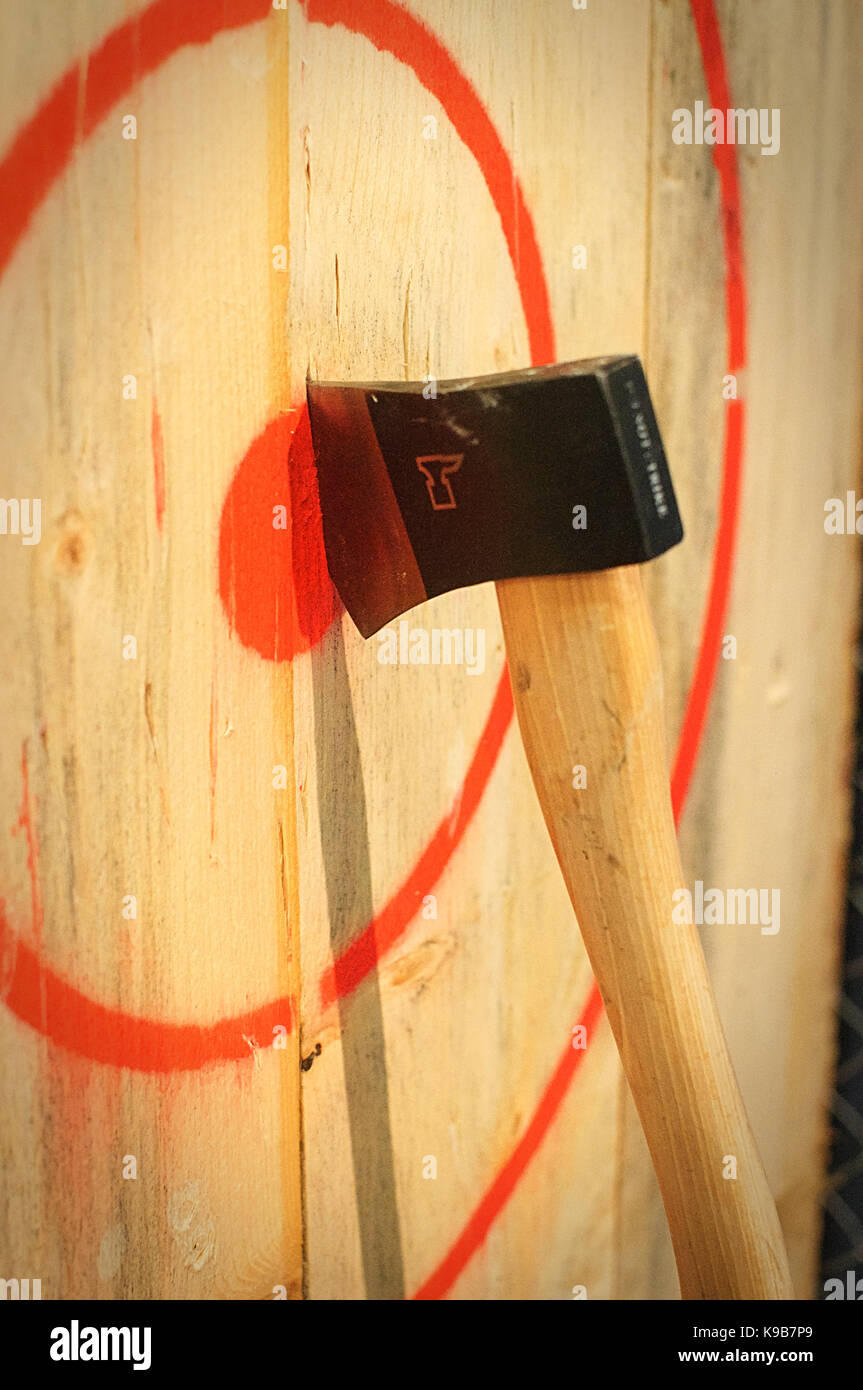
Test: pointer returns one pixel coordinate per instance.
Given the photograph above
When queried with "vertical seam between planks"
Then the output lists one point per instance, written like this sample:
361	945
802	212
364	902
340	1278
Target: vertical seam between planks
278	48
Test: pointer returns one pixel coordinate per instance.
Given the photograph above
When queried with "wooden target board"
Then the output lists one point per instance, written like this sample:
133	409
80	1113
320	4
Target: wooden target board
292	999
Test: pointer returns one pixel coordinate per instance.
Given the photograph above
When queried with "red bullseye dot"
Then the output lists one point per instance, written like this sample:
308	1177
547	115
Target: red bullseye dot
273	577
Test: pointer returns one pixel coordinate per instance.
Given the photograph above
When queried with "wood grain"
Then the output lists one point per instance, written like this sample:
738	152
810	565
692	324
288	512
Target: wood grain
587	680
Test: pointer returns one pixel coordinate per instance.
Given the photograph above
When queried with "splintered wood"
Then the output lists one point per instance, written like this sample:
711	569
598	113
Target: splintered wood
292	999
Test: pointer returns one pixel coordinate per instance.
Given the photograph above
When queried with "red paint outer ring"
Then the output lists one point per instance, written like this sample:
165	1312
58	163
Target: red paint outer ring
42	149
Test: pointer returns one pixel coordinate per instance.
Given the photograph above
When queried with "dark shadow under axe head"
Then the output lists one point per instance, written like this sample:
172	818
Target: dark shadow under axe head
428	487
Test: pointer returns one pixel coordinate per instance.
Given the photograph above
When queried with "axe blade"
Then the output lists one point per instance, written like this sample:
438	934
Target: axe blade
429	487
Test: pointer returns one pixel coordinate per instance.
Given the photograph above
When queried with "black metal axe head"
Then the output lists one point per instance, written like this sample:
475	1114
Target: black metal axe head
426	487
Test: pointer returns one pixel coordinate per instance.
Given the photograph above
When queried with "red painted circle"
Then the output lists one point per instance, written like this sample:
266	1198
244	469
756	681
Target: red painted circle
40	152
42	149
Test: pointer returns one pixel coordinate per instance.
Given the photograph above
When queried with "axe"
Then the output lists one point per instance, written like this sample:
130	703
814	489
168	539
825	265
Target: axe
553	482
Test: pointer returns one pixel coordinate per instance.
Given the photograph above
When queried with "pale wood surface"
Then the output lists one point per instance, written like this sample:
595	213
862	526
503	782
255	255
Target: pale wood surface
154	257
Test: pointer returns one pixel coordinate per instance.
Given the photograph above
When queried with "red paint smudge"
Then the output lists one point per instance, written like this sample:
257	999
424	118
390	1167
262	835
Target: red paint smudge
273	581
27	823
214	759
158	448
10	947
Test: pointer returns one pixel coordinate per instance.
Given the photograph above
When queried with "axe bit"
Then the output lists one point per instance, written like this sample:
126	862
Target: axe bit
553	482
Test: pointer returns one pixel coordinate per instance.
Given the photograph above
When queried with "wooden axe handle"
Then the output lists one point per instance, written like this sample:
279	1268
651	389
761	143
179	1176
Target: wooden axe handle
586	678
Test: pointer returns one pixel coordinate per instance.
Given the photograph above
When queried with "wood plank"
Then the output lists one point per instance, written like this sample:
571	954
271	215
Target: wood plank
472	1012
769	804
136	769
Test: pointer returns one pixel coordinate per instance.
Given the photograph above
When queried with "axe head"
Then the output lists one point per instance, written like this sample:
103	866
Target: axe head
431	486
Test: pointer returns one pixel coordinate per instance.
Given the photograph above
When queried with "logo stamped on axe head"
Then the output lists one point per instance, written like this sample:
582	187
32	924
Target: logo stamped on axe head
450	463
